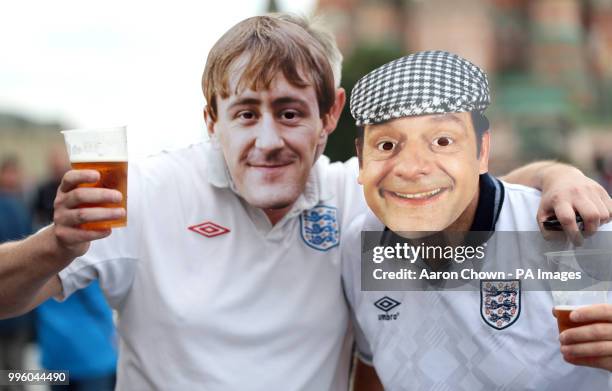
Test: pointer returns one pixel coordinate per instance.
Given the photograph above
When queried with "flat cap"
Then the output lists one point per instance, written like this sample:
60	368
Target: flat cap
430	82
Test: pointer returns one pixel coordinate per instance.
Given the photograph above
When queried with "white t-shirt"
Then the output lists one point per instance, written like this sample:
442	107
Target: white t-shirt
439	340
210	296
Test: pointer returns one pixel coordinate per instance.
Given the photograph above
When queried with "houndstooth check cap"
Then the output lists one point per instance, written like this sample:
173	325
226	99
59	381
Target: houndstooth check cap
430	82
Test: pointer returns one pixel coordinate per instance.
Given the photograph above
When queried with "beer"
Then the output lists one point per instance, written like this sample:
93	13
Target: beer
103	150
562	312
113	175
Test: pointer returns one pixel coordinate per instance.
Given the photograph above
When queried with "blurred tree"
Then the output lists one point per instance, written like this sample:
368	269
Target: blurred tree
543	115
272	6
362	60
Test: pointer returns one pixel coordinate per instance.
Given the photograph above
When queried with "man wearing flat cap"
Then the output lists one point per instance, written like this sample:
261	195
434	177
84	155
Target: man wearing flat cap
423	149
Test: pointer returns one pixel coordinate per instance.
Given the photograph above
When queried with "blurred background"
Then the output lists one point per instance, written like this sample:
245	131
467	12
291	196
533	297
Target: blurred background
68	64
549	64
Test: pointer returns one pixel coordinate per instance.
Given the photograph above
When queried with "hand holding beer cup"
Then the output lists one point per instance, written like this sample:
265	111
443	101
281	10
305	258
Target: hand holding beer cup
92	197
589	343
583	316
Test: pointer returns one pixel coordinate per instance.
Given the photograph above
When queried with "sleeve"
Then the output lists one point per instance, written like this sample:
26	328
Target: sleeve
113	260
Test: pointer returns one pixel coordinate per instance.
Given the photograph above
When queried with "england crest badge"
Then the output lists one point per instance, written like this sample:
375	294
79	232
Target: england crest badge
500	302
319	227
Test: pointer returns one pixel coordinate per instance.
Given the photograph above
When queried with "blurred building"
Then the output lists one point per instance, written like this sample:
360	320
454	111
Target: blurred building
549	61
30	141
566	42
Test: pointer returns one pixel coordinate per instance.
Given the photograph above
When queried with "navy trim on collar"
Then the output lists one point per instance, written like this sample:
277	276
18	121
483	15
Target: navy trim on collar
490	201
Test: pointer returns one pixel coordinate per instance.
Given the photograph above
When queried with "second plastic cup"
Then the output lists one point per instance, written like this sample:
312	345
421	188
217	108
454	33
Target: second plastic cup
592	264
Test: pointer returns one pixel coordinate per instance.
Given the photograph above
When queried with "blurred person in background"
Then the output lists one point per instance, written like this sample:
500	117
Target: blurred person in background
11	177
15	224
78	334
42	206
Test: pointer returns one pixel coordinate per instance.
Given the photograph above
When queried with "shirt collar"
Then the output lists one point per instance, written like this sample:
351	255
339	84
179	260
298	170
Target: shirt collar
218	173
490	201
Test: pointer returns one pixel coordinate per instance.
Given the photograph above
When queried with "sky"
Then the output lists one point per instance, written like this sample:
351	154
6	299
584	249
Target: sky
117	62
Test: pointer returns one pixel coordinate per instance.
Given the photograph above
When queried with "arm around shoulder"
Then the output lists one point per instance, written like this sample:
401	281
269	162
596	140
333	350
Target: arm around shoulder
566	191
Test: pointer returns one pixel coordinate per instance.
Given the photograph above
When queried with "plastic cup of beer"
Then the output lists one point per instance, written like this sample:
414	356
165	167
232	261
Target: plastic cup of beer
103	150
594	267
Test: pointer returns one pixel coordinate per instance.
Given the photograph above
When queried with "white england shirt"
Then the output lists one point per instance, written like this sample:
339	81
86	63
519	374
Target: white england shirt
210	296
439	340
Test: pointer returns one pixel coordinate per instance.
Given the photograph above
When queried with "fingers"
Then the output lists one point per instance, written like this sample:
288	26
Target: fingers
591	344
70	236
596	332
76	217
71	211
592	313
604	206
591	215
593	203
588	349
567	217
90	195
595	362
74	178
571	195
71	196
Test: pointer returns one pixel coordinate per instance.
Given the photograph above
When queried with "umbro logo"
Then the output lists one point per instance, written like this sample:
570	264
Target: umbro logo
387	304
209	229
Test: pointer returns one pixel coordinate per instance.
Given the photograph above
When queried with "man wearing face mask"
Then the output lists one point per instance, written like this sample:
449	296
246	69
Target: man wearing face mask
424	147
228	274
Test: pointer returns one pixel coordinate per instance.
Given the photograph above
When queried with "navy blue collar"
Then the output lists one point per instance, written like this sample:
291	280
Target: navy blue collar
490	201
